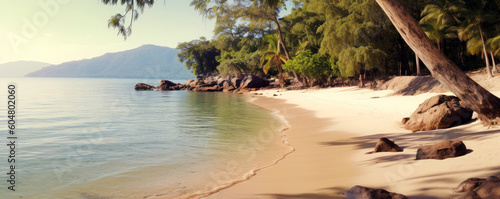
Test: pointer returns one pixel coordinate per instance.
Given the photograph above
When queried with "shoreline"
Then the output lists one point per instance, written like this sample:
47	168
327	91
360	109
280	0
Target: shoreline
342	124
286	178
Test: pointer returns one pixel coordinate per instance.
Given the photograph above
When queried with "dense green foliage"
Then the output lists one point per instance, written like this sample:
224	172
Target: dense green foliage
313	66
133	8
199	56
324	39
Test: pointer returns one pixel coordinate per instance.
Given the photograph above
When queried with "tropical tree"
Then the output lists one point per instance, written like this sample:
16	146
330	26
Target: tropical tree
199	56
249	11
273	57
133	8
312	66
437	32
444	70
477	16
493	45
356	35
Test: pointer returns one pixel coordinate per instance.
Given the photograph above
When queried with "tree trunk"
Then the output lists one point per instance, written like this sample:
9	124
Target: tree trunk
443	69
280	38
494	66
403	60
417	63
488	69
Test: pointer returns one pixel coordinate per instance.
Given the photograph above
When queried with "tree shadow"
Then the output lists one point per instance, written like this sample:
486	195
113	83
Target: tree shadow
410	141
419	85
327	193
414	140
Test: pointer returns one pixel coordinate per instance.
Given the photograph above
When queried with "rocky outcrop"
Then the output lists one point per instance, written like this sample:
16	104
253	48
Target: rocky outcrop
207	89
252	81
438	112
468	185
359	192
235	80
386	145
231	83
166	85
143	86
489	188
212	83
442	150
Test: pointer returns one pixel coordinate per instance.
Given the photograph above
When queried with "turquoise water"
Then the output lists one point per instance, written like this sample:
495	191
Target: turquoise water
99	138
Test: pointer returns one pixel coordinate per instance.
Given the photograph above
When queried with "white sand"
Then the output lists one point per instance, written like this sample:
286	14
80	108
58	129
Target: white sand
334	128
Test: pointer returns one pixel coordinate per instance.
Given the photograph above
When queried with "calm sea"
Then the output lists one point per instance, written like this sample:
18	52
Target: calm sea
99	138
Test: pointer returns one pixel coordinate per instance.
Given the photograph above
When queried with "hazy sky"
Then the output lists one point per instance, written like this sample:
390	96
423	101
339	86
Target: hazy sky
57	31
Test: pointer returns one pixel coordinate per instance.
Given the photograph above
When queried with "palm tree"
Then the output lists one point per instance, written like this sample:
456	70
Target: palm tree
475	18
442	12
443	69
493	45
437	32
273	57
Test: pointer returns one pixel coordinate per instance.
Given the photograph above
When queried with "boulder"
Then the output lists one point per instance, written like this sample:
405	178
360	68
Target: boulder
468	185
221	81
442	150
207	89
386	145
236	80
359	192
252	81
228	89
190	83
143	86
490	188
166	85
210	80
438	112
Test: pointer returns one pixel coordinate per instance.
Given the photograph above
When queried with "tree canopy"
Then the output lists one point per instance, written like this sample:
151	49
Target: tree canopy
324	39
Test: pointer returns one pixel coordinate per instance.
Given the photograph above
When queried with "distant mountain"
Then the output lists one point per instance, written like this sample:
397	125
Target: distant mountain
148	61
20	68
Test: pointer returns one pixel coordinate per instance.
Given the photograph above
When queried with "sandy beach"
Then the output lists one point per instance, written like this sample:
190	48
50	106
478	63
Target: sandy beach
332	129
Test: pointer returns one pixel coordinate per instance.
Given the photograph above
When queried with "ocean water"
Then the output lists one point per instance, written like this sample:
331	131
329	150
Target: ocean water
99	138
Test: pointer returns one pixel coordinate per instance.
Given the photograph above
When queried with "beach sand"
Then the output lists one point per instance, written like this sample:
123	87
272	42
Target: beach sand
332	129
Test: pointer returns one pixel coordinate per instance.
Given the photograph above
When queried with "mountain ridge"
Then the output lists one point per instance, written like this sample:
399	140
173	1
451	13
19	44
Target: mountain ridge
147	61
20	68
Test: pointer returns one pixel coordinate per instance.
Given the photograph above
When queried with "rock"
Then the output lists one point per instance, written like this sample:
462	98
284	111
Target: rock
438	112
143	86
405	119
442	150
236	80
207	89
221	81
386	145
490	188
166	85
468	185
252	81
190	83
359	192
228	88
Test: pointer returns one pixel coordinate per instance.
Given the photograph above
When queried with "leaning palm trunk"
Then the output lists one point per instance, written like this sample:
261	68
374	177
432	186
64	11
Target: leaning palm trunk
486	58
280	38
277	60
417	62
494	64
443	69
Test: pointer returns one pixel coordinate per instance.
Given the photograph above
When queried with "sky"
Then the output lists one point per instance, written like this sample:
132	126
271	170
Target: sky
57	31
